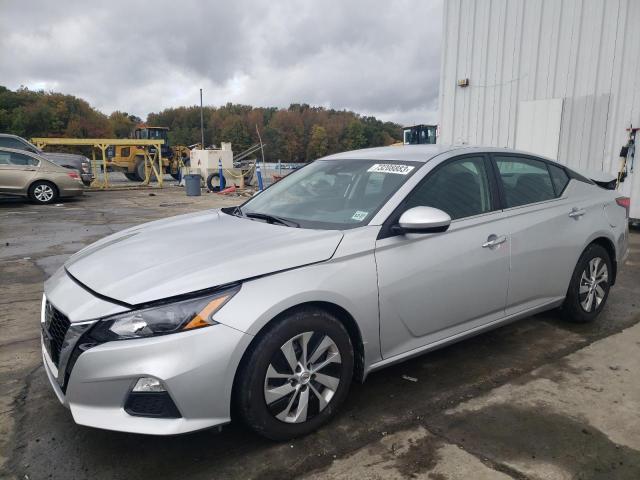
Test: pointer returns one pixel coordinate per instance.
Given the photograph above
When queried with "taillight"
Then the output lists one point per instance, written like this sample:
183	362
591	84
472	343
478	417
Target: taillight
74	175
624	202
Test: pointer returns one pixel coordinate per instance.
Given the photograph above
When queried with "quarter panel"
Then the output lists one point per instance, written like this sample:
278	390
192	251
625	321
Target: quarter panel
546	244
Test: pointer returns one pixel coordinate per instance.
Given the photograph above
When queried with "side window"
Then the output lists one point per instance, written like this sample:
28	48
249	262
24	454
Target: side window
559	178
524	180
459	187
5	158
23	160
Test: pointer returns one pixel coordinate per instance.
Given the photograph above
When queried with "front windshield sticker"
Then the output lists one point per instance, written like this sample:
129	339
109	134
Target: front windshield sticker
360	215
391	168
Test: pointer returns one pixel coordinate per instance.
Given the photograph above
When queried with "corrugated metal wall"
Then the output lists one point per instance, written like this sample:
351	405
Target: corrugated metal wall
586	52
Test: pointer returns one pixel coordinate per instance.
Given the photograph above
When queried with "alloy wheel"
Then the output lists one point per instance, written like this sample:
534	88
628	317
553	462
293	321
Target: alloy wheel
302	377
593	284
43	193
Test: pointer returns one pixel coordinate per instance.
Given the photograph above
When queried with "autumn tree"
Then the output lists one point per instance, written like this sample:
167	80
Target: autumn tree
122	124
354	137
298	133
318	143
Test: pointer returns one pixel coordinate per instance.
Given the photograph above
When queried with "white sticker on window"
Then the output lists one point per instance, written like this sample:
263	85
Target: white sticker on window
359	215
391	168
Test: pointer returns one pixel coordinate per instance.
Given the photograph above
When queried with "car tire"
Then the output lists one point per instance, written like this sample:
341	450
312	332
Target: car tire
43	192
590	285
280	402
210	182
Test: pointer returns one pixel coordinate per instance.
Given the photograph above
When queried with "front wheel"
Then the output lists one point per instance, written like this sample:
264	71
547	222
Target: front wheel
141	173
590	284
43	192
296	376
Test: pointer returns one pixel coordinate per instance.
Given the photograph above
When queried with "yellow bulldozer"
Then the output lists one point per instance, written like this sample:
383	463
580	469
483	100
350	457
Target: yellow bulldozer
130	159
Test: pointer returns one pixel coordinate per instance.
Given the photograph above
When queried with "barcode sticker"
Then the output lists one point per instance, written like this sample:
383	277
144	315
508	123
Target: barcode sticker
391	168
360	215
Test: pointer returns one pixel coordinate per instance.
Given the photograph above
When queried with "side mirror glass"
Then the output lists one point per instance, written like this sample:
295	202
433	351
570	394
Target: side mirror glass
423	220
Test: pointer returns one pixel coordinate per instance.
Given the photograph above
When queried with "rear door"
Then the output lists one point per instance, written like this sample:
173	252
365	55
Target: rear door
17	171
435	286
547	229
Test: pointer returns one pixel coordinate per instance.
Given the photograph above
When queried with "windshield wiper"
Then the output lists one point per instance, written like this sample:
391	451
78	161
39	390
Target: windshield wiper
235	211
273	219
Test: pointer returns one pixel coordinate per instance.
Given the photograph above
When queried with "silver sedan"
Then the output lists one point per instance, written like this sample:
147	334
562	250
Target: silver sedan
352	263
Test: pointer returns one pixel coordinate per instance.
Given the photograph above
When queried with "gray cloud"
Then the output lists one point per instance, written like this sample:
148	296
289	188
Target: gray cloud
375	57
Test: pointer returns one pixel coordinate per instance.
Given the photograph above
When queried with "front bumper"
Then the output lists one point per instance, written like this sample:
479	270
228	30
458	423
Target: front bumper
197	368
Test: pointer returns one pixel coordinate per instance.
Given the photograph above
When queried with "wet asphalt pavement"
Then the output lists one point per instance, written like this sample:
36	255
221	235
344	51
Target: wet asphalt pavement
38	438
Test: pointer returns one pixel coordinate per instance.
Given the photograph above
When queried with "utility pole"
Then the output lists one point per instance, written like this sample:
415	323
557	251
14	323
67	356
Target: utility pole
201	123
261	147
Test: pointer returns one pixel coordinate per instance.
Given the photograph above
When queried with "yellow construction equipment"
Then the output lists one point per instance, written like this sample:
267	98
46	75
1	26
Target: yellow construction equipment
130	158
150	151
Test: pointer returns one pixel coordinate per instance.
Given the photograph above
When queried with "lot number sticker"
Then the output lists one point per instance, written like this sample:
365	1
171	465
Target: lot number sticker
359	215
391	168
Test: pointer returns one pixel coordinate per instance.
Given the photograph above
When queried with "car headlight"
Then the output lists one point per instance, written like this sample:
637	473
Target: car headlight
167	318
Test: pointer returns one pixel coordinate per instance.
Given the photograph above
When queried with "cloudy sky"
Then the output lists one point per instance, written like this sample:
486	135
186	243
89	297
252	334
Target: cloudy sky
379	57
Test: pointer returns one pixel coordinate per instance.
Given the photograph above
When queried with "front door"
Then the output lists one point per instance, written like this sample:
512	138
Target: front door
435	286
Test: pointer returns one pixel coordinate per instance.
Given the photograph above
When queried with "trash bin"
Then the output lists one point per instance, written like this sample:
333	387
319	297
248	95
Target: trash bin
192	185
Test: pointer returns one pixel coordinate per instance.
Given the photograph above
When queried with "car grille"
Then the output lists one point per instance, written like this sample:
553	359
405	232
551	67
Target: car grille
54	329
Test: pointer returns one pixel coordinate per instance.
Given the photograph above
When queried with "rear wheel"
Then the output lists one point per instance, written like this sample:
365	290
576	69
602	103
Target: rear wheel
296	376
590	284
43	192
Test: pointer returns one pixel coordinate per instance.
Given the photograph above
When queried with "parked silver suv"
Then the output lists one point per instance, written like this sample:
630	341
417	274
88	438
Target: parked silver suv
352	263
67	160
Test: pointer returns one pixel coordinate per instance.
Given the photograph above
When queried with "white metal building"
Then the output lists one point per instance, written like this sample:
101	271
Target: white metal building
559	78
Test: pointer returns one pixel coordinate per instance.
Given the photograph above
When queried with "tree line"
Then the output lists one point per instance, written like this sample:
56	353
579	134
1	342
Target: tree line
298	133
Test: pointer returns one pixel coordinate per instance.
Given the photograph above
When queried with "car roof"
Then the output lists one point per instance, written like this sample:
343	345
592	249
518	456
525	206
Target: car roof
421	153
410	153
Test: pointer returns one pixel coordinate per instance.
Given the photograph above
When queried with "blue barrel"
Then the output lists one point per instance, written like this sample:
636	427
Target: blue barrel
192	185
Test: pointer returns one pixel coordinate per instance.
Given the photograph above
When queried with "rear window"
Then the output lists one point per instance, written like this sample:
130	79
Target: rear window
559	178
22	160
524	180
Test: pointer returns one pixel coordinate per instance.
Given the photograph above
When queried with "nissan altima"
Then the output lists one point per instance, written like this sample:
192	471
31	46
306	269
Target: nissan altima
359	260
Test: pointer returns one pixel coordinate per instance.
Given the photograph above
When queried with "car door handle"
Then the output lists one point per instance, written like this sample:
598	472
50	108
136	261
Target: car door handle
577	212
494	240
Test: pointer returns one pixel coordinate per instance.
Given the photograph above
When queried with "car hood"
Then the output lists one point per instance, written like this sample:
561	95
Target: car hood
192	252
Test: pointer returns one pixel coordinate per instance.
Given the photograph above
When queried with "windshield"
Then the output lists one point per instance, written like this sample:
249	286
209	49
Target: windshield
332	194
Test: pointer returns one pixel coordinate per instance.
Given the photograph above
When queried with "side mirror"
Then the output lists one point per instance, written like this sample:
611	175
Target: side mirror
423	220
